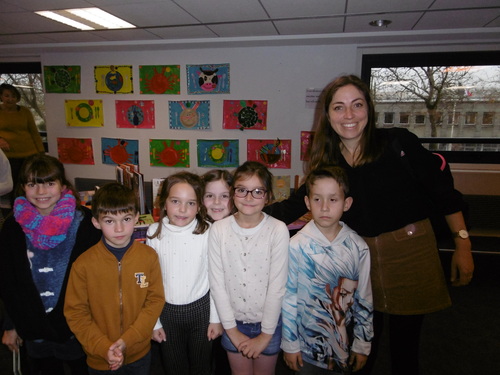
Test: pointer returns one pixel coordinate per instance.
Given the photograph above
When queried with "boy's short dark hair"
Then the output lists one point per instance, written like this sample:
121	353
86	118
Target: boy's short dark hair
331	171
114	198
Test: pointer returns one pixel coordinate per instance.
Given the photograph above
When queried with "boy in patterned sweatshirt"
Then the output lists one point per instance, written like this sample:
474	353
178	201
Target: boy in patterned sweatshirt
327	309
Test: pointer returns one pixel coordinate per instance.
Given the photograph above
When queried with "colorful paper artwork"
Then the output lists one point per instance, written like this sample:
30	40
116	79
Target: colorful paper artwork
62	79
135	114
208	79
218	153
113	79
119	151
160	79
245	114
169	153
306	140
75	150
281	187
189	114
273	153
84	113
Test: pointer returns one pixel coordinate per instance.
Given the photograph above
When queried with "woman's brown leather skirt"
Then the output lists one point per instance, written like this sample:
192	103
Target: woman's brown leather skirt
406	272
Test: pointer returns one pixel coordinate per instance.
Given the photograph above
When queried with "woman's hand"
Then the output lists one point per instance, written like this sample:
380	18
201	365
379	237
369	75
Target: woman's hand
12	340
462	264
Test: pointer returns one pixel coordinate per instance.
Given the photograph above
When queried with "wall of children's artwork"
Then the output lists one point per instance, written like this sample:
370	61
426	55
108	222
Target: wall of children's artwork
192	108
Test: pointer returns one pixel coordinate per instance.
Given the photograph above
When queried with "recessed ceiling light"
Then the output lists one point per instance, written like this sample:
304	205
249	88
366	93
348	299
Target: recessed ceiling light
380	23
86	19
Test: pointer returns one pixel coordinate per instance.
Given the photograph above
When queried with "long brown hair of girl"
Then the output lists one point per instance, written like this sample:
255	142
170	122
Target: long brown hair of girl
197	184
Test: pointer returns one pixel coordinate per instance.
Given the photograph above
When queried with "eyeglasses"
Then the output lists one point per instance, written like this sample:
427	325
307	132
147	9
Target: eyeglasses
256	193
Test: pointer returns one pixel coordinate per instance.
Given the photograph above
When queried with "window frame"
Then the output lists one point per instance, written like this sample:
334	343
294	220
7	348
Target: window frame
385	60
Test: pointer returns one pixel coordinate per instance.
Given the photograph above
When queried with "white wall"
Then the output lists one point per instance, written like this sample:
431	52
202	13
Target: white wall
279	72
280	75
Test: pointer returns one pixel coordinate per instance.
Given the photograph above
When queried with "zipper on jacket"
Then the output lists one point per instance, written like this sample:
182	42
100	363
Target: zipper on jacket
120	295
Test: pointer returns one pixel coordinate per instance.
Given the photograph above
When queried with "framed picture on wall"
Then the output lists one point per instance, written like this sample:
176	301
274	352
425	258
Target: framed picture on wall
273	153
113	79
306	140
160	79
75	150
87	112
244	114
189	114
62	79
218	153
169	153
120	151
135	114
208	79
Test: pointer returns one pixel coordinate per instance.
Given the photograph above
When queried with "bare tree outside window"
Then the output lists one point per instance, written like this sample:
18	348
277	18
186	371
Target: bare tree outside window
473	90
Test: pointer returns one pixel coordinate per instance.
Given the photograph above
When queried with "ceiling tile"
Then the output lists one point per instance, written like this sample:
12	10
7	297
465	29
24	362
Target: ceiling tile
365	6
183	32
313	26
244	29
450	19
224	10
301	8
128	34
152	14
23	39
454	4
76	37
32	23
33	5
404	21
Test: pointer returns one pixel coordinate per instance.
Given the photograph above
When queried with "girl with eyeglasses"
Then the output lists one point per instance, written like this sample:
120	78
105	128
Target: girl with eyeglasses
248	264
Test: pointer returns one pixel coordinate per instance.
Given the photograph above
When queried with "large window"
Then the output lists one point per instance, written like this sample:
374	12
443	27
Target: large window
447	99
27	78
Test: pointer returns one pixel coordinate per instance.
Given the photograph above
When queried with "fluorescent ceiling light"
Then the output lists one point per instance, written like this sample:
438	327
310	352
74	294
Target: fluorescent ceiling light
86	19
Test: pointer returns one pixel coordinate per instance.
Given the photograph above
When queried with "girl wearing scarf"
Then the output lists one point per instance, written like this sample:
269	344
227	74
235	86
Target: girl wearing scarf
38	243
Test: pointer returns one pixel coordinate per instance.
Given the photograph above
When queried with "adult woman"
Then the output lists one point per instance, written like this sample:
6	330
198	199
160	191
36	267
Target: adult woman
395	185
19	137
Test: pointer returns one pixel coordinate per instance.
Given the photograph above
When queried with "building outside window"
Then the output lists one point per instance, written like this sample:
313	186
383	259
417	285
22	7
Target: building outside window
470	118
488	118
388	117
419	119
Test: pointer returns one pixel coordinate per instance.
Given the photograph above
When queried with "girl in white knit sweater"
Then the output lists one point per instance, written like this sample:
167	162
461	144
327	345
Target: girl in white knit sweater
189	320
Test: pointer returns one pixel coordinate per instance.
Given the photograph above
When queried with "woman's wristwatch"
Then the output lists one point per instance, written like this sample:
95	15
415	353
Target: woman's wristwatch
462	233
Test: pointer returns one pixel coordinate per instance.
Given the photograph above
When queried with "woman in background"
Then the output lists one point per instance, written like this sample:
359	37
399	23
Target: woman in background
19	136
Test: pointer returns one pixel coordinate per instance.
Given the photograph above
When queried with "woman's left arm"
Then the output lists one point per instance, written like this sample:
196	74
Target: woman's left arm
462	264
35	134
